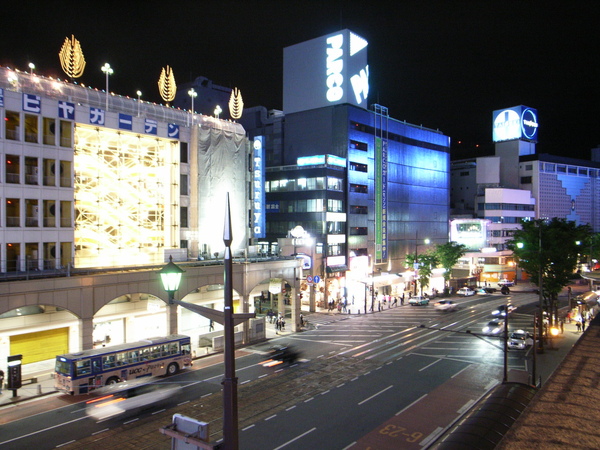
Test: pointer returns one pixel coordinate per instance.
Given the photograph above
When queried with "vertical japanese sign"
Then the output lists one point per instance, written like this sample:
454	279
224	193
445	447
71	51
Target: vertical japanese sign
381	175
258	189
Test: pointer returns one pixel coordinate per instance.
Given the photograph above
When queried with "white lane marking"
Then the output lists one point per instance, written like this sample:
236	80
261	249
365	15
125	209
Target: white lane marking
296	438
375	395
416	401
429	365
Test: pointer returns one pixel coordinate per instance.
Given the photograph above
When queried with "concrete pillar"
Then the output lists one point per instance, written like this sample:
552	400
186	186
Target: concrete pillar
172	322
86	333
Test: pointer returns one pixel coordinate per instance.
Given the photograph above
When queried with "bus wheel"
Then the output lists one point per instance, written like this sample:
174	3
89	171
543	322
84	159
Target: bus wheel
172	369
112	380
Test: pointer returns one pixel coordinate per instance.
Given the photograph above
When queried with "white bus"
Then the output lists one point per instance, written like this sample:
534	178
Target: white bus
82	372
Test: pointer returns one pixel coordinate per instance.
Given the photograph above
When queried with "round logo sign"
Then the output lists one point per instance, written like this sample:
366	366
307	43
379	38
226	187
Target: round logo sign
309	279
316	278
529	123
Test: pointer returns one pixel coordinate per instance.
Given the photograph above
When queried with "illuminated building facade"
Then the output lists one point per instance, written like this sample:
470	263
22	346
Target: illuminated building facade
87	187
366	186
518	184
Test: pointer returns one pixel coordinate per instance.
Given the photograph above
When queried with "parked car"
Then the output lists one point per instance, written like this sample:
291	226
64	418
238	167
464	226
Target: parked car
520	340
493	327
465	291
506	282
446	305
417	300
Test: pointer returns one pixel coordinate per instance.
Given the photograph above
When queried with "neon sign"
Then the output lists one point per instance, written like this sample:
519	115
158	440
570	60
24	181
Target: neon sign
258	189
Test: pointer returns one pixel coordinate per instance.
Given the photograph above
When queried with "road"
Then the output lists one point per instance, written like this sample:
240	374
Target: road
363	380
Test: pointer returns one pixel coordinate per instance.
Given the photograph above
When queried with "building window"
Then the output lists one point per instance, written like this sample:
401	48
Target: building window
49	130
359	188
13	212
31	128
65	215
335	205
183	184
358	231
358	209
183	216
31	213
13	169
183	152
526	180
357	145
335	184
65	174
12	126
65	134
49	213
358	167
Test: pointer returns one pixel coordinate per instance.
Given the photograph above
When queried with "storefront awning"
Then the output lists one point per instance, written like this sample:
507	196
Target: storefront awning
338	268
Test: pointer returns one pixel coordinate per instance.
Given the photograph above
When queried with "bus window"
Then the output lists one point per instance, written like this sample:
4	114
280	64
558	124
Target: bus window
97	365
174	348
82	367
186	349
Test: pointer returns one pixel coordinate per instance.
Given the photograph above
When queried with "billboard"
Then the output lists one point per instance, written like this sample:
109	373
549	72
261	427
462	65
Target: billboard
325	71
519	122
258	189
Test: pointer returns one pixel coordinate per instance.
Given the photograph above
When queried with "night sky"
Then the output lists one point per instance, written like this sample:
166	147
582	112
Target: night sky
442	64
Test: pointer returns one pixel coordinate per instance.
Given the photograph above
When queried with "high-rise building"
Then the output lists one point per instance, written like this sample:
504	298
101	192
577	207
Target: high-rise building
369	188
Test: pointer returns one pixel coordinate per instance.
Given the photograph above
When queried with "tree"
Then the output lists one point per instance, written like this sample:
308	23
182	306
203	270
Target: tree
448	255
552	250
426	263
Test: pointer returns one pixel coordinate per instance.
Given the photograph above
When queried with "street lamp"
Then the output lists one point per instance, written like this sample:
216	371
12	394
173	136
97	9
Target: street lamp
193	94
218	111
170	276
32	67
139	94
107	71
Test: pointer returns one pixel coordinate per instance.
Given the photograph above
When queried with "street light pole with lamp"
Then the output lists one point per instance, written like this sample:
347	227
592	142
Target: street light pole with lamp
171	277
193	94
139	96
107	71
416	263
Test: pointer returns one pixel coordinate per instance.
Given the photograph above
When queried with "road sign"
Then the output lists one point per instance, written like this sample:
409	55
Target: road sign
316	278
309	279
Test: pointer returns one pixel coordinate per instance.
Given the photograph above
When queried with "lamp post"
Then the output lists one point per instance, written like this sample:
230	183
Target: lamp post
139	94
193	94
170	276
107	71
32	67
218	111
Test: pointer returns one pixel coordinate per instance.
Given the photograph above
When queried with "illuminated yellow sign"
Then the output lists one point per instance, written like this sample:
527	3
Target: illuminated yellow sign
166	84
71	58
236	104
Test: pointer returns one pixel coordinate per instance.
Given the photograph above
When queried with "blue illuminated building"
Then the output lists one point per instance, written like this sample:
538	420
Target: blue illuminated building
369	188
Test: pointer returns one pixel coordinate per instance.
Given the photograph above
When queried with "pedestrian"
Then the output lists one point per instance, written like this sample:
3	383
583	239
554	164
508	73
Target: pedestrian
578	325
1	380
301	320
562	326
211	326
395	302
569	317
582	324
282	324
402	300
379	305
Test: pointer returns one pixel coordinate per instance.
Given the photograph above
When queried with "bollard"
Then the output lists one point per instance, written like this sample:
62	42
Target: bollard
39	389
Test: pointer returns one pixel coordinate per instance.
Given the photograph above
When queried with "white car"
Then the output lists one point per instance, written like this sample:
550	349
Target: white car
520	340
506	283
446	305
465	291
502	309
494	327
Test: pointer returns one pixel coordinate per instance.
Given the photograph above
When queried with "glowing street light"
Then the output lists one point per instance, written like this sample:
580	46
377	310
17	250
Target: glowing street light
193	94
170	276
108	71
139	94
218	111
32	67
